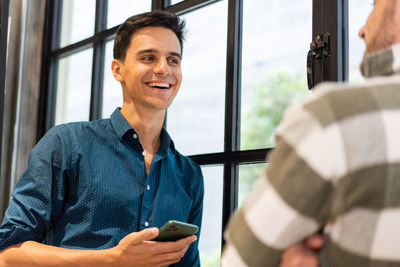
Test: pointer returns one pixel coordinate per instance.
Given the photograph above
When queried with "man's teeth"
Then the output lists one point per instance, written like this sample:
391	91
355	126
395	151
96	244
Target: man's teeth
160	85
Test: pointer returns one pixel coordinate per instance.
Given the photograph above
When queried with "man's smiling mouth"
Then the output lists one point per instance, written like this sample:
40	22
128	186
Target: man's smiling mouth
159	85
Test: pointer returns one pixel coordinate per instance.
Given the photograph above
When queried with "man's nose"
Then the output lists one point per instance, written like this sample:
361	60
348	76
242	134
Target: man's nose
361	33
162	67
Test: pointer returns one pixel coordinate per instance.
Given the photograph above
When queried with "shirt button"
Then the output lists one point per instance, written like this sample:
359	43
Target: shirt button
134	136
144	153
148	187
146	224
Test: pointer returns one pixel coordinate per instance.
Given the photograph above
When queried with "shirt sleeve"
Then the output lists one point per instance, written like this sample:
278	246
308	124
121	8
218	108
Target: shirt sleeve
192	256
291	201
37	198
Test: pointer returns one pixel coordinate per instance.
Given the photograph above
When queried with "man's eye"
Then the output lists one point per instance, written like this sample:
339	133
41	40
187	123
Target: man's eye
147	58
173	60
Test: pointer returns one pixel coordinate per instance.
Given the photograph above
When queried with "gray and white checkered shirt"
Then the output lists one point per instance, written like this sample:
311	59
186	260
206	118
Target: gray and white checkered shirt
336	166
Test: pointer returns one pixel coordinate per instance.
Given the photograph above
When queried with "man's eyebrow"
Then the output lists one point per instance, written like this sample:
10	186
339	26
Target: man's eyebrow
176	54
154	51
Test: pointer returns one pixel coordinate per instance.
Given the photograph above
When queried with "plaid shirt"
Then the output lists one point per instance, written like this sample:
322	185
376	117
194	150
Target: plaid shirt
336	166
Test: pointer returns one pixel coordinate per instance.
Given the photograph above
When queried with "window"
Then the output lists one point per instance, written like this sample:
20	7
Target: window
244	62
119	10
77	21
112	93
273	67
198	110
73	87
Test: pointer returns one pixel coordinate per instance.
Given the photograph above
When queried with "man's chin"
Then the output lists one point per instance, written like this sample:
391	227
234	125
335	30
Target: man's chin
362	67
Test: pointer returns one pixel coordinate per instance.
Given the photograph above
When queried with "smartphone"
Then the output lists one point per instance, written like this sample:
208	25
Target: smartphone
175	230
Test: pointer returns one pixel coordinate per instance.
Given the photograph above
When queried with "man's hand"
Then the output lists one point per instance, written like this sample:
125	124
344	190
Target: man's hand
303	254
136	249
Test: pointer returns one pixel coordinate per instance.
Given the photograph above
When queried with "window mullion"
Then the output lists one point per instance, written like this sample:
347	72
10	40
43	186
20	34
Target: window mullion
4	8
158	4
51	41
96	98
232	107
187	6
332	17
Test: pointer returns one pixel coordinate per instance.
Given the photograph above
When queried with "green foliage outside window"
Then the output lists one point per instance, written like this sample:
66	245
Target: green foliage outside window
267	103
211	259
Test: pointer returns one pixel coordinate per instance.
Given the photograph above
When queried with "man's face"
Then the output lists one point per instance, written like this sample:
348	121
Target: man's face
381	29
151	72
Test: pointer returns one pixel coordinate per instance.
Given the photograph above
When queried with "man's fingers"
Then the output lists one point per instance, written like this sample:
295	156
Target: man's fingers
184	243
299	256
137	247
175	246
173	257
167	253
187	240
291	252
144	235
314	242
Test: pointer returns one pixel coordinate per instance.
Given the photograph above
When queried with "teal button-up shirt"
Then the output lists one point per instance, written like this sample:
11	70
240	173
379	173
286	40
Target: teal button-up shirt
86	187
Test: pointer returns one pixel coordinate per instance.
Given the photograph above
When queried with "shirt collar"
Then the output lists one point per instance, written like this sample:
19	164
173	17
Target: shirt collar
122	127
384	62
165	142
120	124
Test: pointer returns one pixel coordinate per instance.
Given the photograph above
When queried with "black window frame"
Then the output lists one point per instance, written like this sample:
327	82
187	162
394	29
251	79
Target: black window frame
328	17
4	10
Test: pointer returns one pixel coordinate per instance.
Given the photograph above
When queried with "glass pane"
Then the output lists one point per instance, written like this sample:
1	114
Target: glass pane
120	10
77	20
358	13
112	90
196	118
274	65
73	87
211	231
248	174
173	2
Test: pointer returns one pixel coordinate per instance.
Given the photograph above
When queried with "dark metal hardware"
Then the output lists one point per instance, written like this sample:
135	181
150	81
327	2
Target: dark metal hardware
319	49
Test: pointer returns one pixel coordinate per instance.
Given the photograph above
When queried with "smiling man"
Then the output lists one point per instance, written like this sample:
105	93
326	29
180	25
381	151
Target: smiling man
94	193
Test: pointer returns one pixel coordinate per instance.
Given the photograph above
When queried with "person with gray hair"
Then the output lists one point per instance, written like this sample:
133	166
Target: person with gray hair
336	167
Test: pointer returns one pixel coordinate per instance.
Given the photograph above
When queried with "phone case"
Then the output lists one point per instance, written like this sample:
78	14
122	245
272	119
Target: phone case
175	230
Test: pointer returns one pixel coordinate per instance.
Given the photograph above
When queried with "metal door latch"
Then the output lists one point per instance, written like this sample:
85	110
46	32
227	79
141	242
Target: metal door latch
319	49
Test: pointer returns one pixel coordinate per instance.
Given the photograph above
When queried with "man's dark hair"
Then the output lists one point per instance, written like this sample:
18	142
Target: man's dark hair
148	19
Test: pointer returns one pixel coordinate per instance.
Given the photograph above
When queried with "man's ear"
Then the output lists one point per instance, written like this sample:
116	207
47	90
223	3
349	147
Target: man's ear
116	68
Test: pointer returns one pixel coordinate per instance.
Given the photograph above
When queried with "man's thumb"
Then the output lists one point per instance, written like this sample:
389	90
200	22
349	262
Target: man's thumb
146	234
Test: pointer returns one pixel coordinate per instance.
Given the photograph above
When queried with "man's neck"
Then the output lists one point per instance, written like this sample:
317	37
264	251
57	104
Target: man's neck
147	124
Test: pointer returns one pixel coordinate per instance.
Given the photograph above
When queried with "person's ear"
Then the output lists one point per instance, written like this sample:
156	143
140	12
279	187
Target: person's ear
116	68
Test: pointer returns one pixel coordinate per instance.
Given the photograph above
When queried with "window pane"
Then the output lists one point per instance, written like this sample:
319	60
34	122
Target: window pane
73	87
120	10
358	13
196	118
210	239
112	90
173	2
77	20
248	174
275	47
